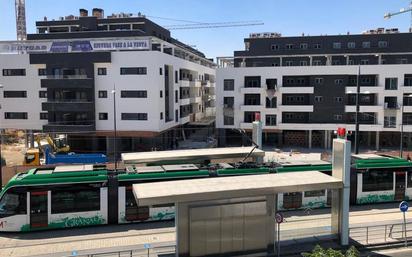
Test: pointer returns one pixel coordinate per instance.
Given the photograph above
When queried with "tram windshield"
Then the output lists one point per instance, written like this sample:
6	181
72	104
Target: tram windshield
12	203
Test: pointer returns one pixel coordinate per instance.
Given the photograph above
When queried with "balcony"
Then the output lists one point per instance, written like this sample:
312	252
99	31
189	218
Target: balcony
363	108
371	90
252	108
296	90
185	101
197	99
72	106
63	82
69	128
296	108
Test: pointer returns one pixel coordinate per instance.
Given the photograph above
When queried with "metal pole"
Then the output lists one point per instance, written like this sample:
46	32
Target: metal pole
404	228
115	127
357	112
278	240
401	146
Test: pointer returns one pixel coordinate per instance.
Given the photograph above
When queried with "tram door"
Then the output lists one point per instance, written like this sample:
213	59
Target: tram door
400	186
292	200
38	209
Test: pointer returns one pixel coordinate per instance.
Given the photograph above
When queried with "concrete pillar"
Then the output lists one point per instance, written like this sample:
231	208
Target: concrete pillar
341	157
377	146
326	139
281	61
380	59
257	137
369	138
310	139
26	139
161	48
311	60
347	60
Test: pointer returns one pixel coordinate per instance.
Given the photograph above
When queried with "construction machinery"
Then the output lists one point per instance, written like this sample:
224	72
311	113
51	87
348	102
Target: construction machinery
401	11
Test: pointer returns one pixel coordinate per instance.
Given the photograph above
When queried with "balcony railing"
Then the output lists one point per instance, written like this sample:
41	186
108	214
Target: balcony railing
67	77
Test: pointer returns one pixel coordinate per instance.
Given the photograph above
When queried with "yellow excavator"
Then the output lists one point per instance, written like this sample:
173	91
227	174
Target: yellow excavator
56	146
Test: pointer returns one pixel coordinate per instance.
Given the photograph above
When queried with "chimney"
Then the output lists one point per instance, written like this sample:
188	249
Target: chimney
84	13
99	13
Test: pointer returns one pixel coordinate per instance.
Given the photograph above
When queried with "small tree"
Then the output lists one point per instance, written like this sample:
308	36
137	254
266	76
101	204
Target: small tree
320	252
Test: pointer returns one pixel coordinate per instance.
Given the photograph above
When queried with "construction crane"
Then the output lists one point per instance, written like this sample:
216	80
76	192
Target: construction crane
20	6
204	25
401	11
207	25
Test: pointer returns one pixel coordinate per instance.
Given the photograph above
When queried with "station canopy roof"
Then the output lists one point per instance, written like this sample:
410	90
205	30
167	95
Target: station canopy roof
374	161
191	190
190	155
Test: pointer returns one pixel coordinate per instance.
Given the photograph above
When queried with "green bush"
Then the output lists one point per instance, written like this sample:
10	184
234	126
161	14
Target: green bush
320	252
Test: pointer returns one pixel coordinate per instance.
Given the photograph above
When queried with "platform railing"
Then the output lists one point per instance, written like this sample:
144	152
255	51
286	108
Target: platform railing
380	234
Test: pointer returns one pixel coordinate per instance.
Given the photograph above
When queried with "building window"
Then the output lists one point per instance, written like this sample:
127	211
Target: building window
338	99
407	80
315	193
389	122
304	46
133	94
228	120
252	81
228	85
15	115
14	72
339	82
176	77
317	63
289	46
337	45
377	180
228	102
133	71
42	72
318	99
15	94
101	71
366	80
176	115
402	61
318	81
249	117
271	102
102	94
303	63
289	63
274	47
42	94
351	45
335	62
270	120
134	116
44	116
337	117
176	96
351	62
161	115
160	71
391	83
317	46
72	200
383	44
252	99
103	116
366	44
364	62
161	94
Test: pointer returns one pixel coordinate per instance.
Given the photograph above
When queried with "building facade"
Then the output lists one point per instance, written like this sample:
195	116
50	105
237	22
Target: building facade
305	88
73	74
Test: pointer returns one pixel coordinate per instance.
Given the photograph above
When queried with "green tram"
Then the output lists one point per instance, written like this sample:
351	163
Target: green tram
85	195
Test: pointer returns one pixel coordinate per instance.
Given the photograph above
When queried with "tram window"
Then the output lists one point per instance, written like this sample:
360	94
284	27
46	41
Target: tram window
409	184
315	193
377	180
13	203
65	201
134	212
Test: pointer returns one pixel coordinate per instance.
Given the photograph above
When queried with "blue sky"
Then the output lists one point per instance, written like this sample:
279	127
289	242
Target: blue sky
289	17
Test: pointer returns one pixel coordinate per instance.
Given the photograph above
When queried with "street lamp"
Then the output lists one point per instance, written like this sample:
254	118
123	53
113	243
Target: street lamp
357	112
115	127
402	111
